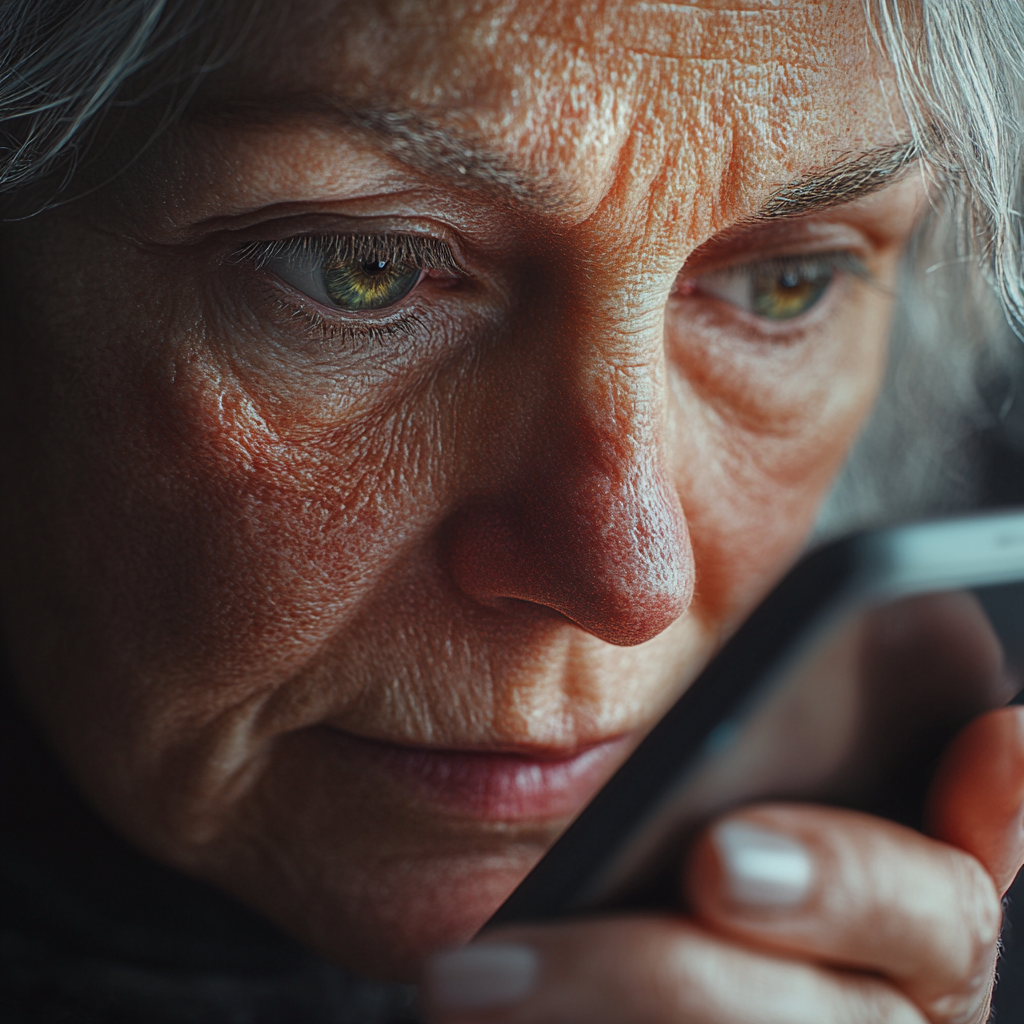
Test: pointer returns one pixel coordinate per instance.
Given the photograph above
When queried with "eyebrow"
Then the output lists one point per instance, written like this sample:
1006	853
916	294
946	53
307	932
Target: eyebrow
432	144
850	179
436	145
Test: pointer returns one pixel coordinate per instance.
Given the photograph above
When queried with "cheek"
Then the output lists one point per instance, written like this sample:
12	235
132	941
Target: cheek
267	544
758	436
183	538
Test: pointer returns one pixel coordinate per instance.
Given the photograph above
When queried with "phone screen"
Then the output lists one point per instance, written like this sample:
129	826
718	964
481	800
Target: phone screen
856	714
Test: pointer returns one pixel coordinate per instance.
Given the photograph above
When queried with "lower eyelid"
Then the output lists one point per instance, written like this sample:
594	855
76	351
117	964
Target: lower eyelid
313	324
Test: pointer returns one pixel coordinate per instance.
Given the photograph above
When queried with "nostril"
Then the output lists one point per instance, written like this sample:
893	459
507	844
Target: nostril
615	561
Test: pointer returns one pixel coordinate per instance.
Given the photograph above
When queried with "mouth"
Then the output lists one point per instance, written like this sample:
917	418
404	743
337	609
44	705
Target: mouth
497	785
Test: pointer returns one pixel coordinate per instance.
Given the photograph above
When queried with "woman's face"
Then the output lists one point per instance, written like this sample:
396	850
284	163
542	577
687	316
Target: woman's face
342	572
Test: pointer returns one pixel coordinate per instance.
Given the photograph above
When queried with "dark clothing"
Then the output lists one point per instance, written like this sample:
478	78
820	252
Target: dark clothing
92	932
151	948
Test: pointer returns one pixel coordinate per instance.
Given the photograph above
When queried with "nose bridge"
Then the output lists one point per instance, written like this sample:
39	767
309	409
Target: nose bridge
612	410
606	409
590	525
599	447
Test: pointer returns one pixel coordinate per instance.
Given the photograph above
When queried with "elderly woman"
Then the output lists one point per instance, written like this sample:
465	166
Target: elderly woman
401	401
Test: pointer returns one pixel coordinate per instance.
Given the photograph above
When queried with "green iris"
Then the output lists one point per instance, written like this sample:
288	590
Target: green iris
368	284
783	293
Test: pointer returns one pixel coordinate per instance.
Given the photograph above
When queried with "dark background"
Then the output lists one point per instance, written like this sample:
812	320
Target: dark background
999	451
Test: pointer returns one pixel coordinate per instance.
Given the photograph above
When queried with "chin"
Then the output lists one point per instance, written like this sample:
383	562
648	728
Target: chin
379	914
361	852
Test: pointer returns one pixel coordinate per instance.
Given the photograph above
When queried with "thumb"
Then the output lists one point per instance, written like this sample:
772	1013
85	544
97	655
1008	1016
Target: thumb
976	800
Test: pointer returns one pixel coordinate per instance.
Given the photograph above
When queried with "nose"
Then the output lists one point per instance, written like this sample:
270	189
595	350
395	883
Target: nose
588	525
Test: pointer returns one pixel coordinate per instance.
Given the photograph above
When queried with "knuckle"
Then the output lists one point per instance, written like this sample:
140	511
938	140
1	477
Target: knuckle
872	1002
970	964
960	1009
679	977
660	972
981	914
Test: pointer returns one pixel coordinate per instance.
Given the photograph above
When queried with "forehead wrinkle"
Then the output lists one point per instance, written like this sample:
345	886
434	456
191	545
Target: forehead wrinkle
432	141
617	40
687	31
426	143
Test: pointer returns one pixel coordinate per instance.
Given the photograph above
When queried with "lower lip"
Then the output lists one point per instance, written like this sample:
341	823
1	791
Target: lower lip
497	786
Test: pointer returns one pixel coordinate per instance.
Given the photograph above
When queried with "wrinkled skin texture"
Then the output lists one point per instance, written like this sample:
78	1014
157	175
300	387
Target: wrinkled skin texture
516	517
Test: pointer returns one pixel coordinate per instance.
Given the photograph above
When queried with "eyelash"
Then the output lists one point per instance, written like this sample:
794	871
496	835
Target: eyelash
415	250
839	262
327	330
329	325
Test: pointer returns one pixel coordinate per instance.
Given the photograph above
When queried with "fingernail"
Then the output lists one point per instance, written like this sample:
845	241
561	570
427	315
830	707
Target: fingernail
482	977
763	868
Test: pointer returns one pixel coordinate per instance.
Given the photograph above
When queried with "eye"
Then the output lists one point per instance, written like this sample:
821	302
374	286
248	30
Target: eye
353	273
776	289
368	284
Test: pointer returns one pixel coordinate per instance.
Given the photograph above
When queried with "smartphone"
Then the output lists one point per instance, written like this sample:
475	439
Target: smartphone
843	687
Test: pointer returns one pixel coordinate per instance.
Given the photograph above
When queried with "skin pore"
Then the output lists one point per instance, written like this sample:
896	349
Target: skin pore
349	611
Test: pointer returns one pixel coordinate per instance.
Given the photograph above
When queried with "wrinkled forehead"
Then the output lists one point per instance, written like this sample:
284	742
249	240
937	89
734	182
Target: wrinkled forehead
586	106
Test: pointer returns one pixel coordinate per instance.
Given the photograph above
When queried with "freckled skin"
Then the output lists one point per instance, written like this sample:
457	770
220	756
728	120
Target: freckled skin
523	529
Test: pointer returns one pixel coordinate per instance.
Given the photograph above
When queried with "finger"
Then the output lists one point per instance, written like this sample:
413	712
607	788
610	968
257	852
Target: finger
846	889
645	971
977	796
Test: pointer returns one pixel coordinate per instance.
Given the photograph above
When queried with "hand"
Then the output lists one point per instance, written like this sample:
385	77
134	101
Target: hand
802	915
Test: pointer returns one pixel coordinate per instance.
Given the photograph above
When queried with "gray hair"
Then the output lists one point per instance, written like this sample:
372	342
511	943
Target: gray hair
960	73
955	369
64	65
959	65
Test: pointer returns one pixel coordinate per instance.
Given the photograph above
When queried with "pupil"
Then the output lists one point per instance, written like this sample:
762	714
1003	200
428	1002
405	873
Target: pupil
788	292
368	284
